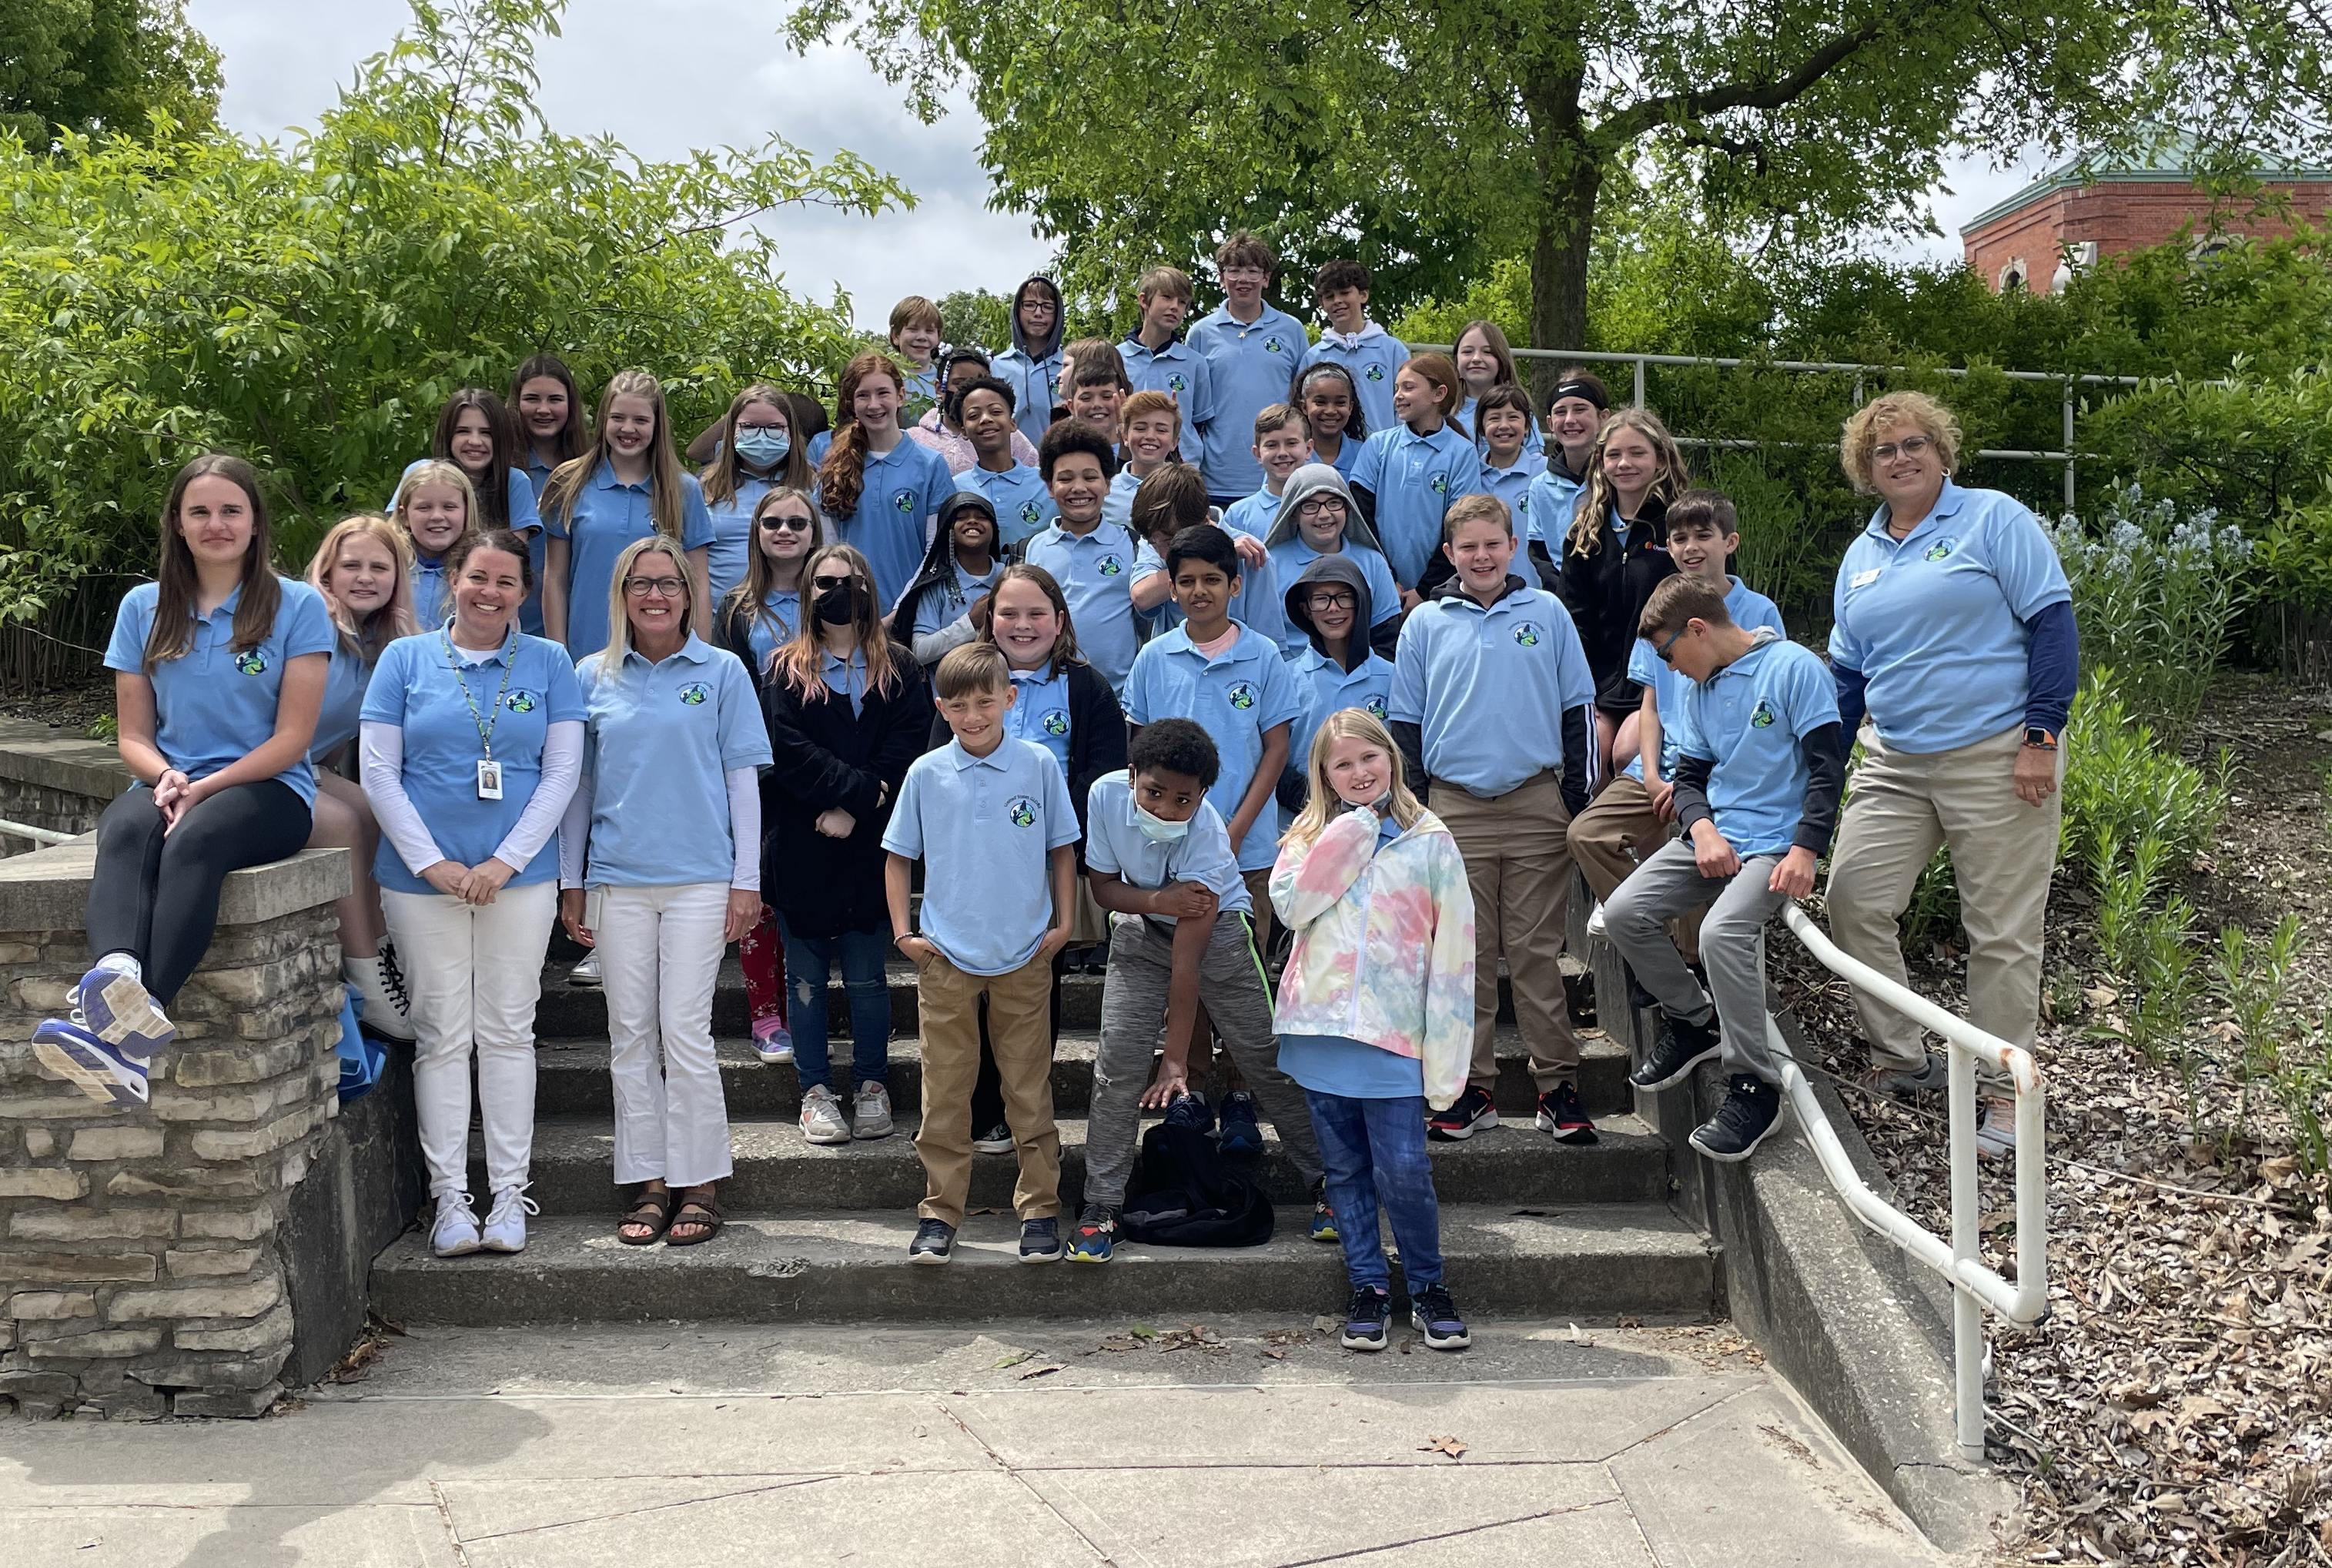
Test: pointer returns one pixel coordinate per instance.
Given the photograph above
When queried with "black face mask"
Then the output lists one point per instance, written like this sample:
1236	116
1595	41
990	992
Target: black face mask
837	607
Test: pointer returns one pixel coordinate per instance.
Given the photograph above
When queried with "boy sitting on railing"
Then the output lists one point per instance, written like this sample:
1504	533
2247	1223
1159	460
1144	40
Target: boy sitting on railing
1760	769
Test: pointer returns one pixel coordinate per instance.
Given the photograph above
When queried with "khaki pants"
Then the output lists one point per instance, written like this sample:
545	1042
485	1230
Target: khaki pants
1518	864
1019	1032
1901	807
1616	822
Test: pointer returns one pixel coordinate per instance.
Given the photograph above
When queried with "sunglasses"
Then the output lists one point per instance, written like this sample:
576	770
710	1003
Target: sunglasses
776	524
1663	650
823	583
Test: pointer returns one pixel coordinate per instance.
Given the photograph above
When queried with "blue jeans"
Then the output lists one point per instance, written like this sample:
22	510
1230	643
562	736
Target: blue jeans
807	966
1374	1151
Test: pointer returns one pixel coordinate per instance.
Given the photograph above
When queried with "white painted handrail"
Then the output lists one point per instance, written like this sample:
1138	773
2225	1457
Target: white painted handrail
37	835
2025	1300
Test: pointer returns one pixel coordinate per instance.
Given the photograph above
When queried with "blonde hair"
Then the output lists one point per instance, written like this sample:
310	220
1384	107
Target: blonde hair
1355	724
1917	408
666	495
1593	519
437	471
393	619
619	624
1173	282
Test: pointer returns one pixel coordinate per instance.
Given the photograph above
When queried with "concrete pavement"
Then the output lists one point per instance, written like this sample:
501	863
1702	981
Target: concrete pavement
1257	1443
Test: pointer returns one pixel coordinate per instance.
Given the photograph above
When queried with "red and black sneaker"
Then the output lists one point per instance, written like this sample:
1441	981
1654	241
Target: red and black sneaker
1471	1114
1561	1113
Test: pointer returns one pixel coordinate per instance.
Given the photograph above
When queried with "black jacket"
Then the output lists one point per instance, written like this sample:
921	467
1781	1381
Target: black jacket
1096	739
1607	589
826	757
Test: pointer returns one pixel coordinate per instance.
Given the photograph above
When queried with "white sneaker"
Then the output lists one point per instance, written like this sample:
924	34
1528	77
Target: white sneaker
585	973
822	1121
505	1228
455	1234
870	1111
1595	926
380	1007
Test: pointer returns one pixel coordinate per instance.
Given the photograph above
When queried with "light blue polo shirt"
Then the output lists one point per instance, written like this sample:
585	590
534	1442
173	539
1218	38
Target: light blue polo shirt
1749	720
214	706
1534	444
1750	610
784	607
661	741
1348	457
520	488
415	688
1259	604
1023	502
1330	688
1179	371
898	507
1488	688
945	604
1040	713
1935	622
1235	697
1253	513
1512	486
344	689
1117	502
1095	571
983	828
608	516
1251	365
1033	384
733	535
1554	499
1371	363
1203	855
1289	557
1414	479
433	594
846	677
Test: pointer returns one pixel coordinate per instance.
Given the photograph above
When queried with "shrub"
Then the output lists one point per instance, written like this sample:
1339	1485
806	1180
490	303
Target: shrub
2123	787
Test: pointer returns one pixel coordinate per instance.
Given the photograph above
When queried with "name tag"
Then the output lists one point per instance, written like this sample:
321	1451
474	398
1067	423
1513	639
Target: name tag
1865	579
490	780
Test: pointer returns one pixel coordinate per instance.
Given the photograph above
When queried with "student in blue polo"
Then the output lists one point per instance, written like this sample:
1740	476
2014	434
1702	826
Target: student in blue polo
756	452
1282	444
880	492
1365	351
1318	518
1414	468
1330	606
472	741
1158	360
1491	700
665	830
1502	424
1031	366
476	434
219	673
1093	561
1252	351
1762	766
1014	489
1233	683
1574	418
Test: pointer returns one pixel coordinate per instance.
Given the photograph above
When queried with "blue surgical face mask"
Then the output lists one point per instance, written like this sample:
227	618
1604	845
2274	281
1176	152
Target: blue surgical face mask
763	445
1156	829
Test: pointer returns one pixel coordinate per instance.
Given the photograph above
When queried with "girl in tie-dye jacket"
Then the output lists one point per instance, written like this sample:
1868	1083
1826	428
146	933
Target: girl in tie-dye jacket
1375	1014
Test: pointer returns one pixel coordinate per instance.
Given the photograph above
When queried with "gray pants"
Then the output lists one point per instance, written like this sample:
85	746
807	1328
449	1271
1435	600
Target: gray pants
1133	1018
1732	945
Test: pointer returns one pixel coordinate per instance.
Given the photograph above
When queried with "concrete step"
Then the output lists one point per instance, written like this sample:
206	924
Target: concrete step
572	1076
851	1266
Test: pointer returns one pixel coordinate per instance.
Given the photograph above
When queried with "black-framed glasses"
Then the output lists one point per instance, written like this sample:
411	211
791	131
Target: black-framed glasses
1321	506
776	523
640	588
1334	599
823	583
1909	446
1663	650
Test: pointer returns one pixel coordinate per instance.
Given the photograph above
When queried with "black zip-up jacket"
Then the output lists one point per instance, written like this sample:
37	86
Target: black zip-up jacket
825	755
1607	589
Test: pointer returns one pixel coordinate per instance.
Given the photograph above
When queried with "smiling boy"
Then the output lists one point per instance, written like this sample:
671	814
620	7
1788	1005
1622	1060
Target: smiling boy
1157	359
1153	425
1091	559
1251	350
1365	350
1023	504
1282	444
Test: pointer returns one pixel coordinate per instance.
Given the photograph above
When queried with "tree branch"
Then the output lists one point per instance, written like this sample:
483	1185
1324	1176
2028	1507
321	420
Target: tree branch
1675	107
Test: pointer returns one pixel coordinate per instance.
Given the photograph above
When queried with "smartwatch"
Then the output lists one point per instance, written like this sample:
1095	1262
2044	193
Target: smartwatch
2039	737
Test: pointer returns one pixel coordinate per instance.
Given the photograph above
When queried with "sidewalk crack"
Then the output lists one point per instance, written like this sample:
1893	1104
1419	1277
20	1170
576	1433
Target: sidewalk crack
1010	1468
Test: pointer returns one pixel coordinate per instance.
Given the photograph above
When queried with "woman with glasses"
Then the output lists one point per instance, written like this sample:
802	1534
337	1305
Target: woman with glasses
665	833
1954	633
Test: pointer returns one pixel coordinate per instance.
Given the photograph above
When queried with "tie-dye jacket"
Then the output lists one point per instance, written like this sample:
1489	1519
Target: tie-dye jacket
1384	944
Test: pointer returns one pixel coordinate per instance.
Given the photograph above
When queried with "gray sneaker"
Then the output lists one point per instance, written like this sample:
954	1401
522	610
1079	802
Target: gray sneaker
870	1111
1931	1076
822	1121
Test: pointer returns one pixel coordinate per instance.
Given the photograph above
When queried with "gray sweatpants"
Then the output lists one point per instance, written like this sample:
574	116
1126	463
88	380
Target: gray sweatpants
1133	1020
1732	945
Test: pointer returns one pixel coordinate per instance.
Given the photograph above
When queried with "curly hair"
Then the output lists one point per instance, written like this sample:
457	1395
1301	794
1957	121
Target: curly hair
1916	409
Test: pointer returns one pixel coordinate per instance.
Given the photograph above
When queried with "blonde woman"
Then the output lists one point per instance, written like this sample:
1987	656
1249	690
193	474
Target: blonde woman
436	506
364	569
1616	553
665	830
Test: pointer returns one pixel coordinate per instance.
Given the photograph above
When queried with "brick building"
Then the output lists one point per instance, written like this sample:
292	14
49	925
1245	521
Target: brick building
2075	216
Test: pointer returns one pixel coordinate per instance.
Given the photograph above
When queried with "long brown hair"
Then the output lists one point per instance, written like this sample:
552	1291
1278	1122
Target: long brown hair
842	477
666	489
550	367
801	663
1066	651
719	476
751	597
494	495
177	584
393	619
1593	516
1494	339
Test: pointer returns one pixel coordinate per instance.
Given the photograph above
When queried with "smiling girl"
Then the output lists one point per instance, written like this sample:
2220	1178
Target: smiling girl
1484	361
880	492
1616	553
1331	407
436	506
1408	476
757	452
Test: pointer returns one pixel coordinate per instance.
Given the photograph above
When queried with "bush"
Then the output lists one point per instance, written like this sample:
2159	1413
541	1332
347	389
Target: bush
2124	788
2244	447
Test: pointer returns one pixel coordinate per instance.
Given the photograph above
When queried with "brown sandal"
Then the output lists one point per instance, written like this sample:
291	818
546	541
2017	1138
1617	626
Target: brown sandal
702	1212
653	1209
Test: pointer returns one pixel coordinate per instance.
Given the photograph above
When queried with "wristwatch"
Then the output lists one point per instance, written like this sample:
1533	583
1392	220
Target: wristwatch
2039	737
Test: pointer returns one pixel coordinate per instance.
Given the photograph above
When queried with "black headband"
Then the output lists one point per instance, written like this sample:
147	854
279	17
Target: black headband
1587	389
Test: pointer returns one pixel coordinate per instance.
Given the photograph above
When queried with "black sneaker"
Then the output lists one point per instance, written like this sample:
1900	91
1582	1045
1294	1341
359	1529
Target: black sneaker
1097	957
1190	1110
934	1242
1752	1108
1682	1046
1365	1319
1238	1133
1561	1112
1435	1315
1040	1241
995	1139
1472	1113
1579	997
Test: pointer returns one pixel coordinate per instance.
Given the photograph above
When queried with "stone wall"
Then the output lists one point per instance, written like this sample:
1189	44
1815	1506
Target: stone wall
143	1254
55	779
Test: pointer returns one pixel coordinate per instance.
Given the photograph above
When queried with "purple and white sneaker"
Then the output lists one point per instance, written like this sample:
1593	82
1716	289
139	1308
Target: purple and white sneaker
115	1006
104	1072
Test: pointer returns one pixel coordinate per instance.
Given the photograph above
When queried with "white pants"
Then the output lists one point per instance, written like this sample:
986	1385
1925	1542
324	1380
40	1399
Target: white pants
474	973
659	956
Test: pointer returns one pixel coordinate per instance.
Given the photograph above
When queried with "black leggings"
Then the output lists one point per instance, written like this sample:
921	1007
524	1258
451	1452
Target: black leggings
155	898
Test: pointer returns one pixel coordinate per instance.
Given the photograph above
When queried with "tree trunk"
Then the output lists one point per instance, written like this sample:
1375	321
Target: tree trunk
1569	178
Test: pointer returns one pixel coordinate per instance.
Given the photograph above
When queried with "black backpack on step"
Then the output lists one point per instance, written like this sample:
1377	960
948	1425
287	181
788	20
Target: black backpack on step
1185	1195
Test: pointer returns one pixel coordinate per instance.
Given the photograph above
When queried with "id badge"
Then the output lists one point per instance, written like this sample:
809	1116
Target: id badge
490	780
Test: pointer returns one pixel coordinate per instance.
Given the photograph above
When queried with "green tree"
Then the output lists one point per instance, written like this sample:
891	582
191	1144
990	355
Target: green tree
977	316
1432	140
89	65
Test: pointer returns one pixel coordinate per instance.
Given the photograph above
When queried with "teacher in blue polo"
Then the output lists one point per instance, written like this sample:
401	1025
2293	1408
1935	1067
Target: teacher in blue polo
1954	631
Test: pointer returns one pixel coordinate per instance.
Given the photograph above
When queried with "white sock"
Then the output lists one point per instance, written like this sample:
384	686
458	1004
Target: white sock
123	962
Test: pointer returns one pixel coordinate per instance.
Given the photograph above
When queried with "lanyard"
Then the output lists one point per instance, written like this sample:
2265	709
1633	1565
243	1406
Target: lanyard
509	663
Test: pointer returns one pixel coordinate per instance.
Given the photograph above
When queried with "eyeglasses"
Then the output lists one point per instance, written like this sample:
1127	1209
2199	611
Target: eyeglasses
823	583
1321	506
667	588
1909	446
1334	601
1243	273
776	524
1663	650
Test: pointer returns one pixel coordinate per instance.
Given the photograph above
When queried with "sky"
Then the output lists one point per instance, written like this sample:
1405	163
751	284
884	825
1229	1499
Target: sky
664	76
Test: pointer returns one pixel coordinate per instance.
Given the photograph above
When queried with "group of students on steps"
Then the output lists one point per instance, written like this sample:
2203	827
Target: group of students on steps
1129	656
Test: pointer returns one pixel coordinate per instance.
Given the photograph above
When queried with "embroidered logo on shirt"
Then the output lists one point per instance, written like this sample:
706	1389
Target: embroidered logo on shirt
1022	810
1054	721
1242	695
1109	566
253	663
693	693
1527	635
1176	384
1373	373
1029	515
1376	707
519	702
1940	548
903	502
1762	717
1272	345
1440	484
